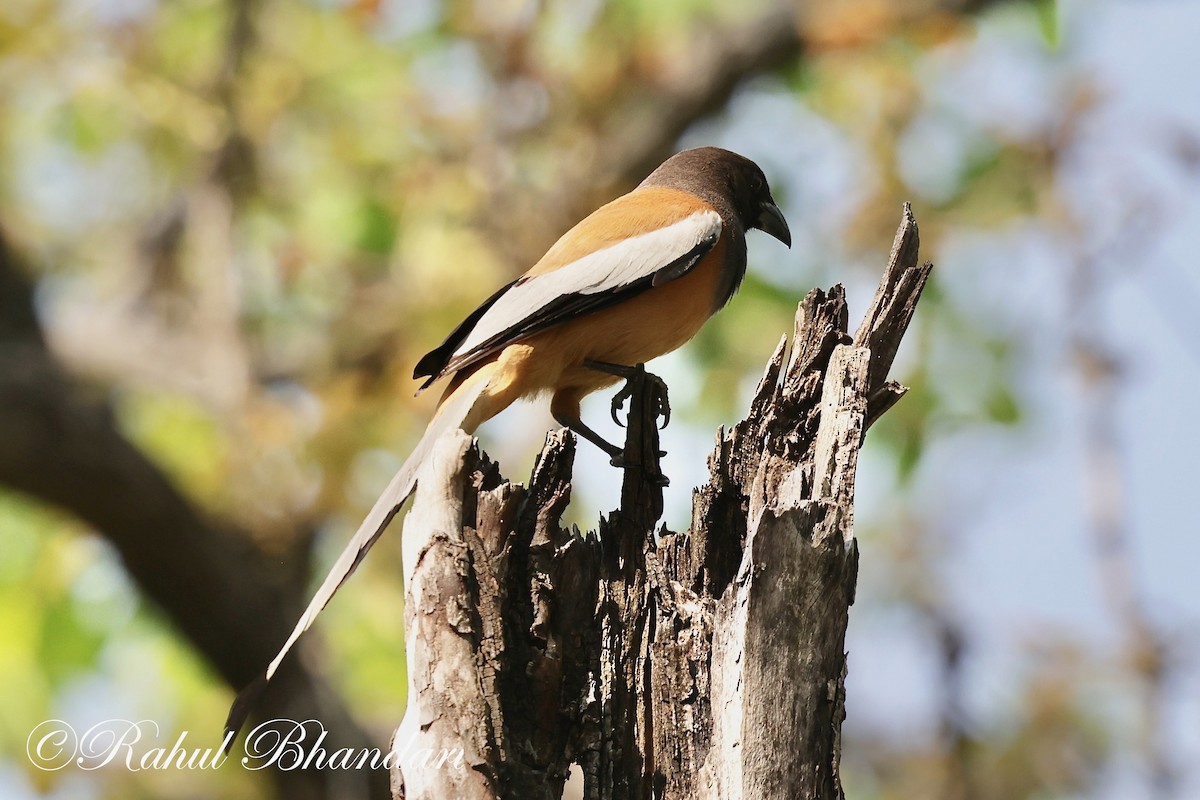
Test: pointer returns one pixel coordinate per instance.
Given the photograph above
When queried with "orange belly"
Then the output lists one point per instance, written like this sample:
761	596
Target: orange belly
642	328
637	330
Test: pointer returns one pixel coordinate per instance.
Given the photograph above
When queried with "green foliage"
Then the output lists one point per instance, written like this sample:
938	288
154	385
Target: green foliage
1048	22
180	435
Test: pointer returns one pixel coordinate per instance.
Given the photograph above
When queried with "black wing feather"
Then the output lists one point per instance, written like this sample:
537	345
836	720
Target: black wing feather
565	308
433	363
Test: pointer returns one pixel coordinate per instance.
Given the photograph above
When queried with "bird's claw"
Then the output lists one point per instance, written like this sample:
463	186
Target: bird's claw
662	408
618	402
662	405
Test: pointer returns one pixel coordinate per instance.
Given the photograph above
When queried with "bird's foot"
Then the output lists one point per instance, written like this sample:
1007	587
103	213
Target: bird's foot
657	386
638	383
616	455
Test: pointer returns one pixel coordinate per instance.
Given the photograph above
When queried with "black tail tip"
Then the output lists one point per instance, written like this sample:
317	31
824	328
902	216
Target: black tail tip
243	704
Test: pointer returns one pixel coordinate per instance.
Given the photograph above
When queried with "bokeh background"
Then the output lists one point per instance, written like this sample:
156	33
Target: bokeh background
230	228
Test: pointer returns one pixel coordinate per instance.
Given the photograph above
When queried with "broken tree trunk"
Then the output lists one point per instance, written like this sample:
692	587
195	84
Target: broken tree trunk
702	664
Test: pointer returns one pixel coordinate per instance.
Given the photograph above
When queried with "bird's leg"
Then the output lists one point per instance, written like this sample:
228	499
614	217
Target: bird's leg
577	425
648	395
659	388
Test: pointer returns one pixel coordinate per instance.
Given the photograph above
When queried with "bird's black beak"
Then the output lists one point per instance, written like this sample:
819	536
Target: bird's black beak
770	220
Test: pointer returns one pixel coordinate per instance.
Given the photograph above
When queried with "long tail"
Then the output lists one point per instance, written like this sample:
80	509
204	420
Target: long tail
453	413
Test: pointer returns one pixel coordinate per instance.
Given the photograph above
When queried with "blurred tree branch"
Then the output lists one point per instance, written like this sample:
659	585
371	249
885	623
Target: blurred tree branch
639	123
645	128
60	444
645	124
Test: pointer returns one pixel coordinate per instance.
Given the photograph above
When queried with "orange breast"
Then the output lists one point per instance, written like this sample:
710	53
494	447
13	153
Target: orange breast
642	328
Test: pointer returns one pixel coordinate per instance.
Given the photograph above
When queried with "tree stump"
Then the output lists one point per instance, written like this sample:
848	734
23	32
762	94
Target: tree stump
703	664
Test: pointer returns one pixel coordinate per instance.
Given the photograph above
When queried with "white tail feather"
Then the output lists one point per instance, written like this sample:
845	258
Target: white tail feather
451	415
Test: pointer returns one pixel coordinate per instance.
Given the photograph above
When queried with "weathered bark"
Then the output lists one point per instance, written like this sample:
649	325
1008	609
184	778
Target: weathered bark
703	664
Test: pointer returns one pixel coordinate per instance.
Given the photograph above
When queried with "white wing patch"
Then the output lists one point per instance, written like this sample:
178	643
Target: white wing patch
604	270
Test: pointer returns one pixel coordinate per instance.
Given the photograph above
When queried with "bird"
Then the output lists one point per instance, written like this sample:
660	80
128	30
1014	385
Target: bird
632	281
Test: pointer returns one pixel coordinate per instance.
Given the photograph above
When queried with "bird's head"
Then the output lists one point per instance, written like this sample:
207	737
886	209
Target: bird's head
730	182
